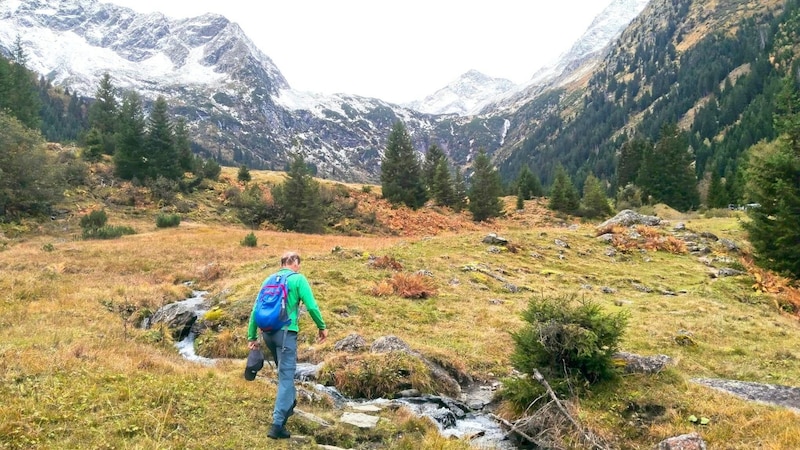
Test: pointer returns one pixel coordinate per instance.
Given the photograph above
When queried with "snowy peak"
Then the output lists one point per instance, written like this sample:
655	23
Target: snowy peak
606	27
465	95
73	42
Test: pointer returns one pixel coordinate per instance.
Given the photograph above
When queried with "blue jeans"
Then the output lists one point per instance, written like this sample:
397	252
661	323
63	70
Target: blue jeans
283	346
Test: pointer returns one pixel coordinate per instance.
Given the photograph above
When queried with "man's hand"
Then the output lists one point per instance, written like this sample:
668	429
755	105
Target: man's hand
252	345
322	335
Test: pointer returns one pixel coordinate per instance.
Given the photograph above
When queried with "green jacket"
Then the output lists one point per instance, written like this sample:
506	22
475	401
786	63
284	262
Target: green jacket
298	289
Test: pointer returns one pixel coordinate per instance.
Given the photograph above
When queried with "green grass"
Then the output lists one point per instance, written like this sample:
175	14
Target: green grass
76	375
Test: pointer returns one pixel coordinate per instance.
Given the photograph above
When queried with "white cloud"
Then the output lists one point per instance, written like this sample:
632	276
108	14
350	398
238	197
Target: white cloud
398	51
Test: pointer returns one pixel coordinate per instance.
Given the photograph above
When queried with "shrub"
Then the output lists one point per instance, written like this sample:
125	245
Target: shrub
168	220
385	262
94	220
250	240
377	375
406	285
570	342
107	232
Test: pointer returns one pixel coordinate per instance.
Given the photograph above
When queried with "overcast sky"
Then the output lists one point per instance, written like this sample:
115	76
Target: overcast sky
397	51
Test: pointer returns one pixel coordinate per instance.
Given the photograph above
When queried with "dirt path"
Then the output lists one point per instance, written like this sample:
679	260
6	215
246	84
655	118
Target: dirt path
772	394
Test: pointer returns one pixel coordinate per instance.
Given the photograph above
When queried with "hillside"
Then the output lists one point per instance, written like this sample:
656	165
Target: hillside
78	373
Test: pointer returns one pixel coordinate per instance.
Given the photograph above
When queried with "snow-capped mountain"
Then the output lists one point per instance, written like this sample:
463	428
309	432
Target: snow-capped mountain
464	96
606	27
240	108
475	93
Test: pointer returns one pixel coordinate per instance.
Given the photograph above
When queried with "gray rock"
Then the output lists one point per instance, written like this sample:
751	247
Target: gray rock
387	344
607	290
729	245
351	343
561	243
728	272
680	226
360	420
606	237
627	218
691	441
494	239
643	364
773	394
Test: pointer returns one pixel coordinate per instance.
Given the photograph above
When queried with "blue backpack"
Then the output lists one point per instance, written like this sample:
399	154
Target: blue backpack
270	310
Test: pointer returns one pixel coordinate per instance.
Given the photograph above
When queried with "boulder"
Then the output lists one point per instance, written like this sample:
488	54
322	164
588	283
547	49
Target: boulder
352	343
691	441
627	218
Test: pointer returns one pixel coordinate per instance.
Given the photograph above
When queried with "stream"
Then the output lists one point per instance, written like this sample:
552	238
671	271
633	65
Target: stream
463	418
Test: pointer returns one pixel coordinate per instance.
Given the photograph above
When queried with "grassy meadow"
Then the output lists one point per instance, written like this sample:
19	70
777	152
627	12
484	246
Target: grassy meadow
77	372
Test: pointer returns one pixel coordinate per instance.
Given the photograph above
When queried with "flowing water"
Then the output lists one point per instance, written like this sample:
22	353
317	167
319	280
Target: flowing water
454	418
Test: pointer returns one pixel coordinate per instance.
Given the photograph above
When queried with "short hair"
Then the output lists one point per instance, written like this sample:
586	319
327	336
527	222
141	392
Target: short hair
290	258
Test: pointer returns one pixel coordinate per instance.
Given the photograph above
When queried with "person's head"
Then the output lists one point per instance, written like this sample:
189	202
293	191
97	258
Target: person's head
291	260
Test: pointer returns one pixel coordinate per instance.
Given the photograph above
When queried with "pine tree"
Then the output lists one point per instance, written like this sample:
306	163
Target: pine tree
563	195
773	183
459	191
130	158
666	173
23	101
429	167
630	160
528	184
183	146
717	193
485	189
595	202
243	176
401	179
441	188
299	200
103	113
160	152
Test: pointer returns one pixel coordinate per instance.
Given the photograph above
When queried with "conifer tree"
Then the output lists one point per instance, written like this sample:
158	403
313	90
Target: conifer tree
717	194
130	158
429	167
528	184
485	189
243	176
23	98
160	153
183	146
103	113
595	202
666	173
773	183
630	160
563	194
459	191
299	200
401	175
442	185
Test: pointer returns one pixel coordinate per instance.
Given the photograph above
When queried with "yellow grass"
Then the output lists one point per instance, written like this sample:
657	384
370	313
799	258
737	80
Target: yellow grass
77	373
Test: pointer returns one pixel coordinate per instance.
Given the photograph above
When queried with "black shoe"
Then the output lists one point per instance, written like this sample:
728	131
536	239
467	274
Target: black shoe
290	413
278	432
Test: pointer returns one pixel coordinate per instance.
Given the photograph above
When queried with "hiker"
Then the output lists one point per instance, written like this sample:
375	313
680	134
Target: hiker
282	343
